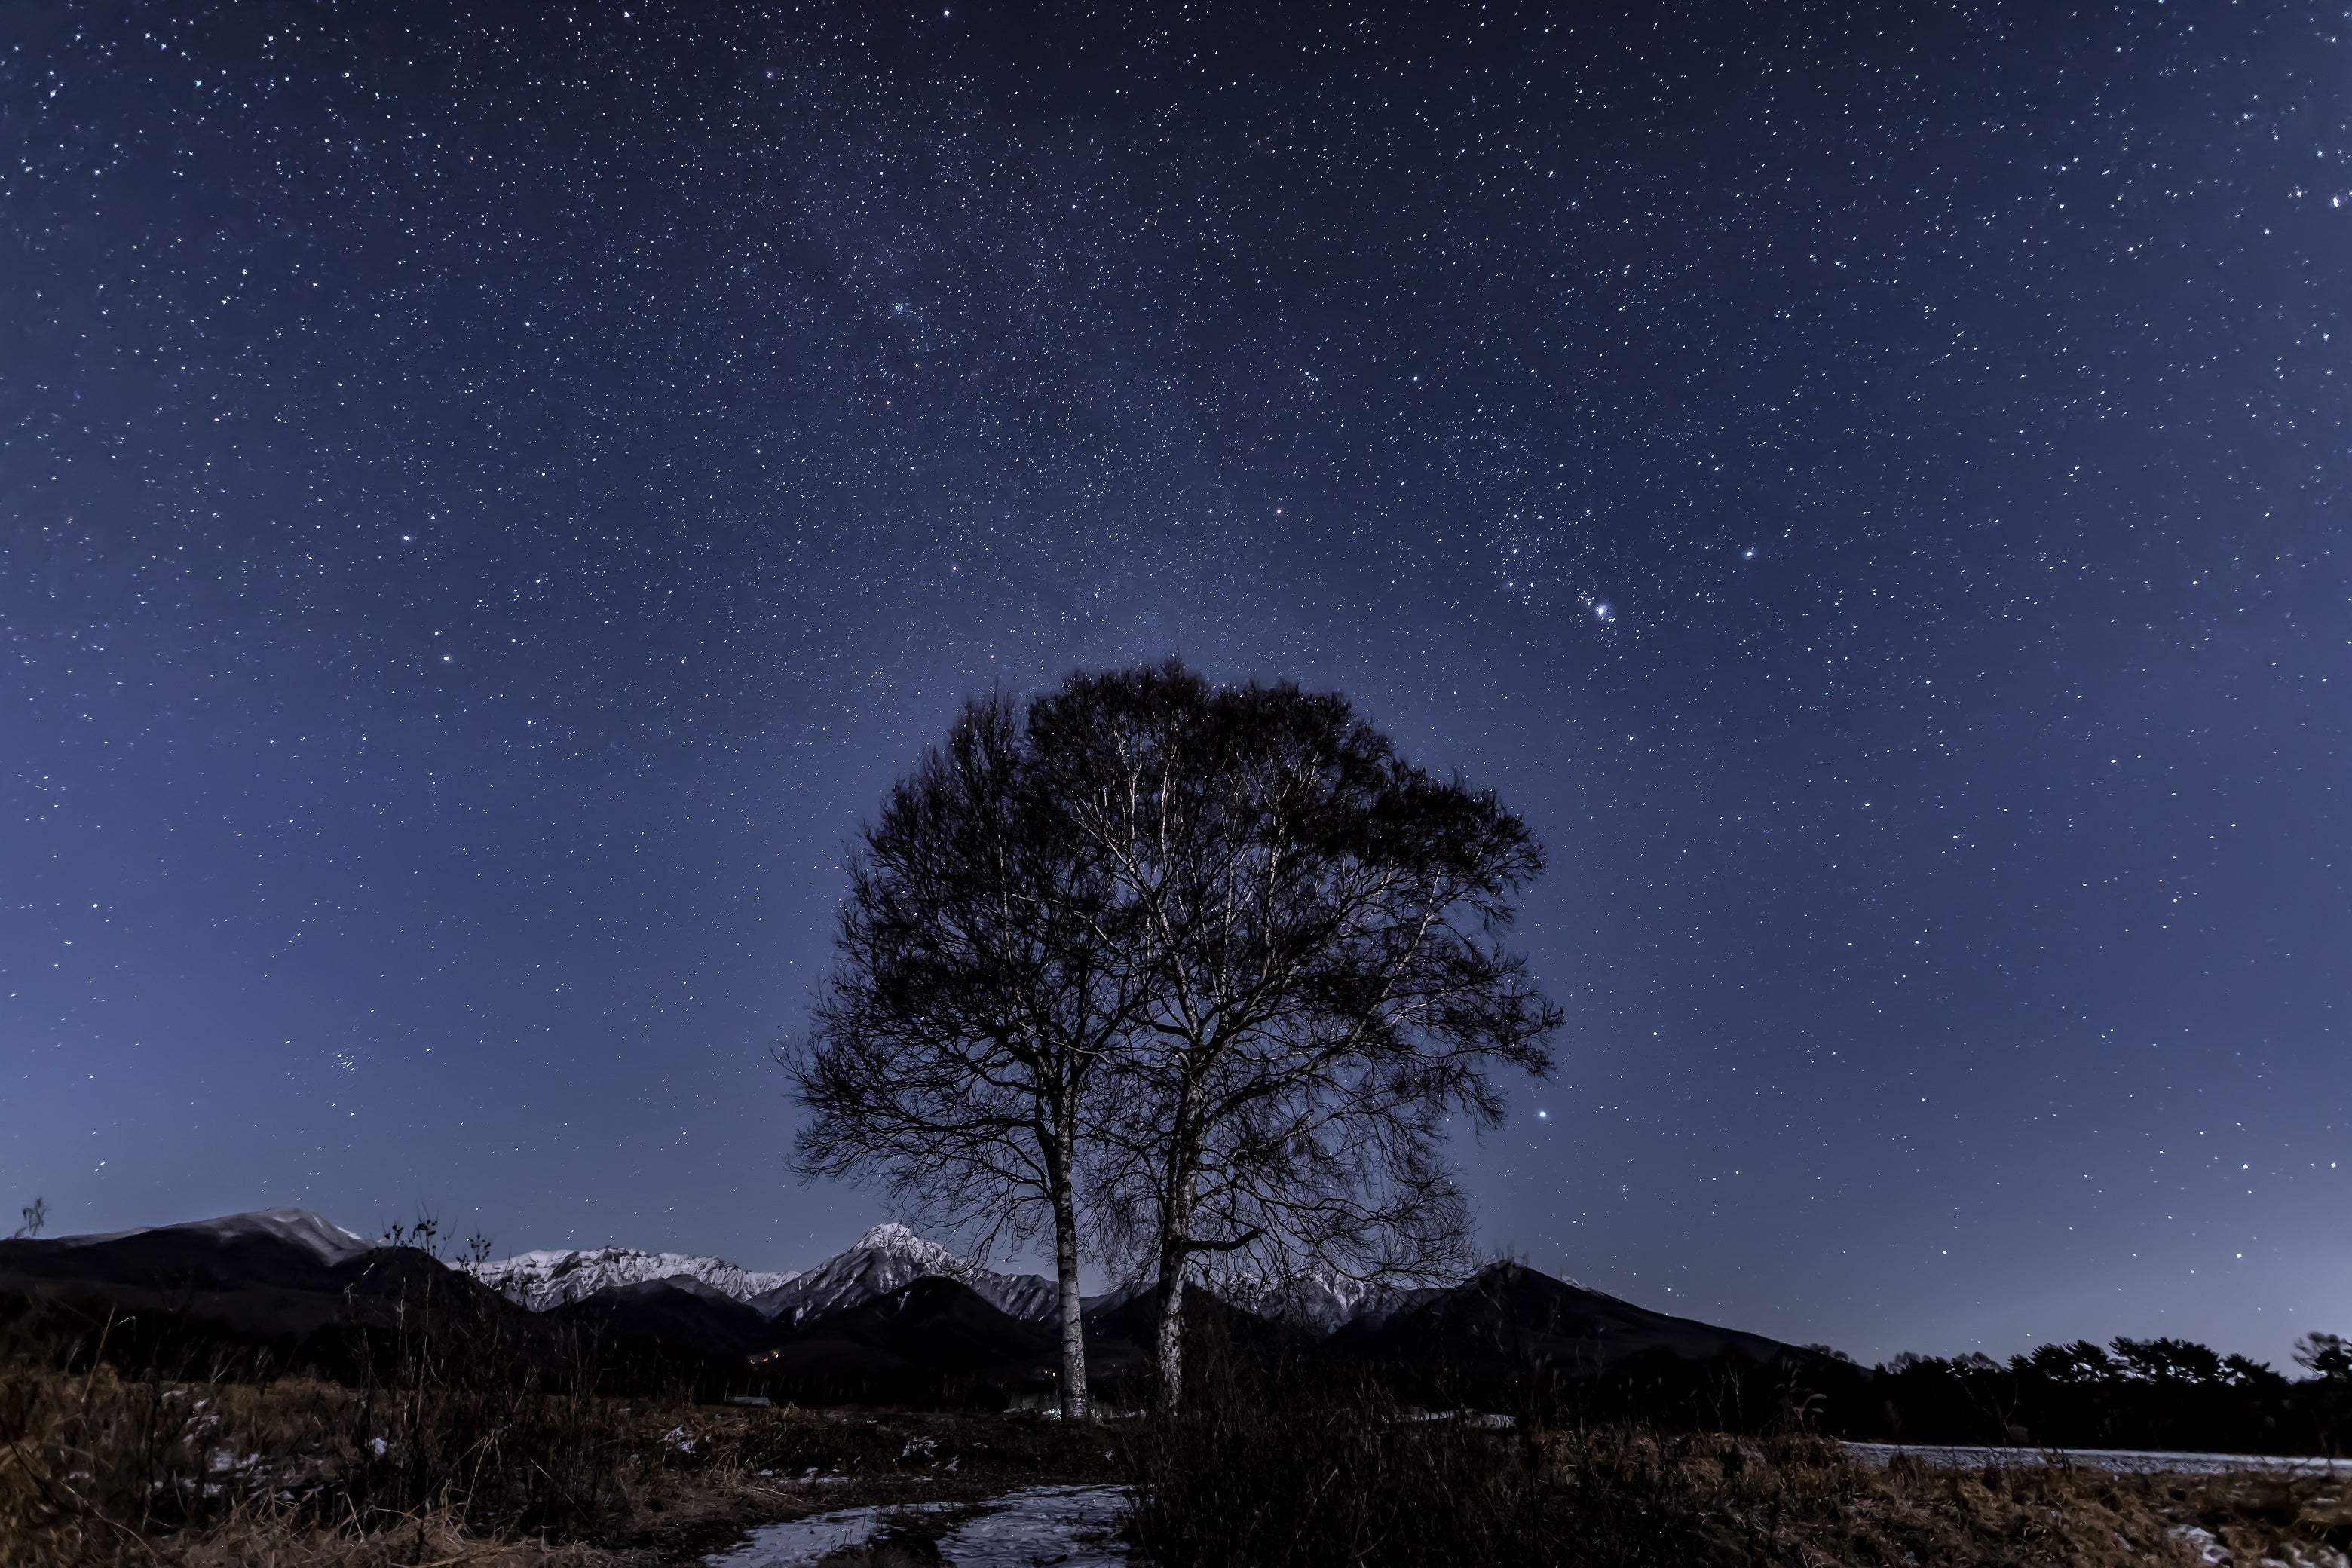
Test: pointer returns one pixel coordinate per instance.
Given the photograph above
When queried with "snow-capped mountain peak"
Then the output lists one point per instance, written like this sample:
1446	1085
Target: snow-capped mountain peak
1322	1301
890	1255
553	1276
883	1259
896	1240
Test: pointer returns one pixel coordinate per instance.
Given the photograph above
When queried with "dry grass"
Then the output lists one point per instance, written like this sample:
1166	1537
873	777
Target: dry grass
103	1469
1336	1481
448	1443
99	1468
96	1468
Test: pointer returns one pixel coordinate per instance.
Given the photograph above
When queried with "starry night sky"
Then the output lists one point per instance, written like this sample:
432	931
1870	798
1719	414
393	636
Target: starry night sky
489	498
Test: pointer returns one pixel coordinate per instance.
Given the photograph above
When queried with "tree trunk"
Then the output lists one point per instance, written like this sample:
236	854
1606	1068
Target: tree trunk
1176	1247
1168	1346
1065	1272
1175	1256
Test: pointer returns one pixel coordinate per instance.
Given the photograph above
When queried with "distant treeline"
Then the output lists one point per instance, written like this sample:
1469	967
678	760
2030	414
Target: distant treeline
2155	1394
2164	1394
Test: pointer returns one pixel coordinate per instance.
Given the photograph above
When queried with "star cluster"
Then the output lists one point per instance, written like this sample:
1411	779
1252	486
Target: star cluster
492	495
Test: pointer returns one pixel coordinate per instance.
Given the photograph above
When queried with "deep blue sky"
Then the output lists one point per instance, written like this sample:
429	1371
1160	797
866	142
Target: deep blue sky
489	497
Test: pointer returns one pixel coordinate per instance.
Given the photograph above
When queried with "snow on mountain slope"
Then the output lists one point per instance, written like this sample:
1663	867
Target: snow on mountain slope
884	1258
552	1276
1323	1302
330	1244
890	1255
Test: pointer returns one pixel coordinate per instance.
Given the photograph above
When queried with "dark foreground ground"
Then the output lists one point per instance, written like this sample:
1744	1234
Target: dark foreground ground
97	1467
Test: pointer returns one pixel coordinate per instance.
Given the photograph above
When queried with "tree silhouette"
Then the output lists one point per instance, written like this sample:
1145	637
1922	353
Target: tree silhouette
972	999
1313	932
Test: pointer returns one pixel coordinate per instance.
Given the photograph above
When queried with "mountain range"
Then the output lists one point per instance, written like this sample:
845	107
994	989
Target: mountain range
280	1272
877	1263
888	1256
892	1305
540	1280
884	1258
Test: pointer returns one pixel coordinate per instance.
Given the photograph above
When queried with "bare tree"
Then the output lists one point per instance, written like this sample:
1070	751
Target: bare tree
37	1216
972	997
1318	932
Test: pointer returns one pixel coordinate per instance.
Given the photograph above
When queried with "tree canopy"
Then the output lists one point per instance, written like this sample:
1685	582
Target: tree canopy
1215	963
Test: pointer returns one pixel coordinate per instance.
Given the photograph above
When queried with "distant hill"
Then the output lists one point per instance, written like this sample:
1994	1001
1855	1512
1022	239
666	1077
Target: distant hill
1508	1315
274	1272
932	1324
1130	1317
682	1313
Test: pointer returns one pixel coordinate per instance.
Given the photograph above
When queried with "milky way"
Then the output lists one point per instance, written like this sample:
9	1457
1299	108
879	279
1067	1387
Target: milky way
490	497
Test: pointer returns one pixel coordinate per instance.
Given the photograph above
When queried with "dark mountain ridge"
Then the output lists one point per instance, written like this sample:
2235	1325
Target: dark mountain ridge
278	1274
284	1276
932	1324
680	1312
1508	1315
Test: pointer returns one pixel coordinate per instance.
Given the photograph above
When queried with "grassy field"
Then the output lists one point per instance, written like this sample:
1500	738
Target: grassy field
97	1467
1346	1477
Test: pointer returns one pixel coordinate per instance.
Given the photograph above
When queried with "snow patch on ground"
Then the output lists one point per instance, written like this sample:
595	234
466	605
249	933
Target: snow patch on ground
1067	1527
1070	1527
2121	1461
801	1541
